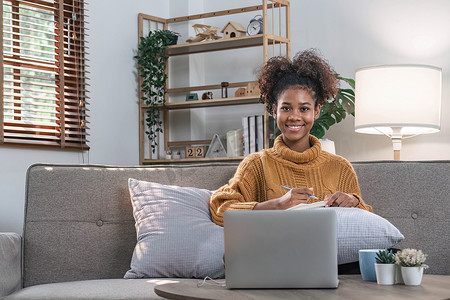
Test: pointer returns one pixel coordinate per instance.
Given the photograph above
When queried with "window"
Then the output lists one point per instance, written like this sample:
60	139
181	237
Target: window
43	73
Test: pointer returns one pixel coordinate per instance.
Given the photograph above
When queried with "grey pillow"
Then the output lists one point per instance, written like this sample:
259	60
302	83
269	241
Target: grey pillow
360	229
175	234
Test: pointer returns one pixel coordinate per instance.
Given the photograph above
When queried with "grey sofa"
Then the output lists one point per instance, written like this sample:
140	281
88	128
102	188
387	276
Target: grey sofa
79	232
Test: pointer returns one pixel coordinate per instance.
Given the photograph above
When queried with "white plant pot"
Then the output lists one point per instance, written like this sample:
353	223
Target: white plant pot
398	275
385	273
412	275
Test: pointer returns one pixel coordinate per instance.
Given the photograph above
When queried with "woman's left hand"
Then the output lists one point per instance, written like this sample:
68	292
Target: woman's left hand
341	199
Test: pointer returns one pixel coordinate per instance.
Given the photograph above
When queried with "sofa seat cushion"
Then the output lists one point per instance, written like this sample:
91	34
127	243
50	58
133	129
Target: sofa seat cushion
94	289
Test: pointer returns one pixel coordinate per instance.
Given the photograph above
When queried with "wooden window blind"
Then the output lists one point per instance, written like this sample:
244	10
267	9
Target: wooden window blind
43	73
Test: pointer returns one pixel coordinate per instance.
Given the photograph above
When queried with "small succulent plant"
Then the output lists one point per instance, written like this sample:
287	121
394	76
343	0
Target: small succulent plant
385	257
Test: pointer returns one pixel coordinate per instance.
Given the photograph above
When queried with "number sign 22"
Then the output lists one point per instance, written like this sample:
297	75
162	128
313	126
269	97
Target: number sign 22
195	152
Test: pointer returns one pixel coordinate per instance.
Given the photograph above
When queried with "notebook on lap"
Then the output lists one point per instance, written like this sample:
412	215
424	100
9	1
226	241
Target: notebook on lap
281	249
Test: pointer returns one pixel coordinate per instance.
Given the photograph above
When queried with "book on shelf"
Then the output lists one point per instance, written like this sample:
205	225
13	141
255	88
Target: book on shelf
308	205
245	136
272	134
259	132
252	133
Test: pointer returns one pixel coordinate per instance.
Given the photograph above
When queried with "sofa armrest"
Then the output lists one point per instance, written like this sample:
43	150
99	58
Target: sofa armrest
10	263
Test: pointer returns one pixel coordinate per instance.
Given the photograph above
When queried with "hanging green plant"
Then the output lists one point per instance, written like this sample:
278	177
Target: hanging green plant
151	59
333	112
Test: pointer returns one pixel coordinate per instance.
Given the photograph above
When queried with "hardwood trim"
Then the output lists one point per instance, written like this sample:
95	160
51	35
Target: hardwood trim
142	16
214	14
141	111
288	31
211	103
219	45
11	142
61	72
206	87
281	2
189	143
277	3
190	160
166	130
265	33
2	99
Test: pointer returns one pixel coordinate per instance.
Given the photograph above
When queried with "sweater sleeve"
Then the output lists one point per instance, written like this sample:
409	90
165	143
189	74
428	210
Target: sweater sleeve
349	184
242	192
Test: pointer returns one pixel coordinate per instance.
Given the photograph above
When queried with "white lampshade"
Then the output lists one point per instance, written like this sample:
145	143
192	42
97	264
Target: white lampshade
404	97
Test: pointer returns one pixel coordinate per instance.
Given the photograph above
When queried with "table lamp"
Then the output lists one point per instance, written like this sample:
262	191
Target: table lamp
399	101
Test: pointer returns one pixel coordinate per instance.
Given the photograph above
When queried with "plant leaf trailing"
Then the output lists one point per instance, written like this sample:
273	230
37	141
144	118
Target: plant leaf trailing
151	59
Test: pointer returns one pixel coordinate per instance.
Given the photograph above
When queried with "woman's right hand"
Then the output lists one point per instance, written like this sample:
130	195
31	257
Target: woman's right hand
290	199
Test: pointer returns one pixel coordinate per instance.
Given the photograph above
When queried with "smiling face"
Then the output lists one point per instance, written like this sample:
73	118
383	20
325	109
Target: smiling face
295	114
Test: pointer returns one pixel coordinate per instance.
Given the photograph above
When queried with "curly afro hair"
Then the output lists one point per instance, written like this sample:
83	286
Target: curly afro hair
308	70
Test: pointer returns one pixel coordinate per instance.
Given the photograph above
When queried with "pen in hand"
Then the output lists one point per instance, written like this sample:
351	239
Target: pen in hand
289	188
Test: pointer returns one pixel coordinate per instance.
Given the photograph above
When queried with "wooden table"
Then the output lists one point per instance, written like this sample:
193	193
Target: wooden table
350	287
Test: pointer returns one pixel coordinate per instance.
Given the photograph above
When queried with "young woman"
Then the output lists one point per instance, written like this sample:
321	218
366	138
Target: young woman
293	92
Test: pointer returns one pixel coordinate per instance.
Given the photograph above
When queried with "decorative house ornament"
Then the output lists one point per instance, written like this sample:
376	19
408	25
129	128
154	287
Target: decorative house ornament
255	25
252	89
216	148
233	30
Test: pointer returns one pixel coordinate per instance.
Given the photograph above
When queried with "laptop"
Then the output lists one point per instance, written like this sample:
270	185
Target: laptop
281	249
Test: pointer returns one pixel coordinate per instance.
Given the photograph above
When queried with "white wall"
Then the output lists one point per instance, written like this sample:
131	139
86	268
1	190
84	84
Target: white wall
113	115
357	33
350	33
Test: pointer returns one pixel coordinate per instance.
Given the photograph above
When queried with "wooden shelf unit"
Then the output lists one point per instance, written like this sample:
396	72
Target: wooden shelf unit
224	44
209	103
263	40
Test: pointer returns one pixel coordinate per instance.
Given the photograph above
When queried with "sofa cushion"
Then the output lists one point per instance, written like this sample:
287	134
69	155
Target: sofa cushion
360	229
175	234
94	289
10	250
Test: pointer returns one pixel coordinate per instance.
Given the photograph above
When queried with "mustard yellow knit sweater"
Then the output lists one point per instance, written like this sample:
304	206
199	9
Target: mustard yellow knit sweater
260	176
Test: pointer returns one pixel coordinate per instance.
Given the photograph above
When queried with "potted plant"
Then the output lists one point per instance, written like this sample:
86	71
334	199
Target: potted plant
412	265
385	267
152	60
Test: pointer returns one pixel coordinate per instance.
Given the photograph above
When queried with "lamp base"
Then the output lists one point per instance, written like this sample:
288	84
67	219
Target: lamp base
396	141
396	154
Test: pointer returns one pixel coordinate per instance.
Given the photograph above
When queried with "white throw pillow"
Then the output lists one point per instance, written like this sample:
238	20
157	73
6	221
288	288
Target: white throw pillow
175	234
361	229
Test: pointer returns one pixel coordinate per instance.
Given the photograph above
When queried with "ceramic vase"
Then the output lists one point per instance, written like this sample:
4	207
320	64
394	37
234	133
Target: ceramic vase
385	273
412	275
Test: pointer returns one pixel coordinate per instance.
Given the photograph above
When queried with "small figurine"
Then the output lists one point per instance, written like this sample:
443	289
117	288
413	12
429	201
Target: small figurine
204	32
